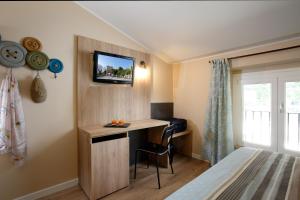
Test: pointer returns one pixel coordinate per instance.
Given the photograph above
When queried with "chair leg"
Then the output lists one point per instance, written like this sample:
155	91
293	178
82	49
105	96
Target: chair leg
172	168
157	171
170	162
135	161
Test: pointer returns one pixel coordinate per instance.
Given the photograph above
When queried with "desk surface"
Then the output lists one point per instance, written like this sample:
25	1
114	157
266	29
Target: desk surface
99	130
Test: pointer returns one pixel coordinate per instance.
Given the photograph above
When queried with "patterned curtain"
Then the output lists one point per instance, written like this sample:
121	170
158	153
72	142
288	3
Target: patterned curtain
218	127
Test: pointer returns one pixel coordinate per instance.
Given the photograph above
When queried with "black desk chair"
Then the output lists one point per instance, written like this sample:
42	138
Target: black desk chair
159	150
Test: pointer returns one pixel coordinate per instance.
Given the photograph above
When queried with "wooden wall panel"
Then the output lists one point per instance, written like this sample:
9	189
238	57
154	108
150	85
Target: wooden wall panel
84	162
99	103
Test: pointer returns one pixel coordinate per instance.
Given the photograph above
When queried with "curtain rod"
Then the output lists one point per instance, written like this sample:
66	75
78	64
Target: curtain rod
263	52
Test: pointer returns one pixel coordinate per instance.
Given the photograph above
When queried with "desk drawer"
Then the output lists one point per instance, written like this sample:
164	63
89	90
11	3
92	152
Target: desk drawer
110	166
109	137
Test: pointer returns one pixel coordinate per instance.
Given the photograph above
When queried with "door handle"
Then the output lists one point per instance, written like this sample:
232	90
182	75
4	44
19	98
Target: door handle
281	108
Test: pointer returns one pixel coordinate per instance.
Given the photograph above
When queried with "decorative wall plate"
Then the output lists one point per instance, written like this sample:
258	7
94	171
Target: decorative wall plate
55	66
12	54
32	44
37	60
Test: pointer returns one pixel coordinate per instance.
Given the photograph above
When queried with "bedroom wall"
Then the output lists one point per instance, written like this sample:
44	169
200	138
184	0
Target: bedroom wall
50	126
191	81
162	81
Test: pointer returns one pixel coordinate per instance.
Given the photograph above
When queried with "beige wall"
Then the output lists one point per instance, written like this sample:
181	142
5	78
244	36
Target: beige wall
191	88
191	81
50	126
162	81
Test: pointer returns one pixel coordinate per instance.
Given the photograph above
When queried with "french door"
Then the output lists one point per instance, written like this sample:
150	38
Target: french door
289	113
266	108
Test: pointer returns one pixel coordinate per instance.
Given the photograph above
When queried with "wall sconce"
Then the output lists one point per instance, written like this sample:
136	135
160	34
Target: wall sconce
141	71
143	64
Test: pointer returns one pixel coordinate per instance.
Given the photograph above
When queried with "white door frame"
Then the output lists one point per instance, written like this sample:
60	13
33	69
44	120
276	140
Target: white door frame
286	77
258	79
277	119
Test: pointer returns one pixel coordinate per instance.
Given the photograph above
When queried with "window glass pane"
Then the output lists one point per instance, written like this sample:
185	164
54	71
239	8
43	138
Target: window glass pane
257	114
292	116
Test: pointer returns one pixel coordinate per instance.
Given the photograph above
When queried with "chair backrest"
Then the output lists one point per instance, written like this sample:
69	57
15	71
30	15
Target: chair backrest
168	134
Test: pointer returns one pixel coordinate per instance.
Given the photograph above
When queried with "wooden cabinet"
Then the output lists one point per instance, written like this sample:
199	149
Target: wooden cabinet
104	164
104	155
110	166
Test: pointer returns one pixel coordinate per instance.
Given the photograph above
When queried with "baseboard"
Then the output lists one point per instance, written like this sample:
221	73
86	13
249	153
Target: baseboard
197	156
49	190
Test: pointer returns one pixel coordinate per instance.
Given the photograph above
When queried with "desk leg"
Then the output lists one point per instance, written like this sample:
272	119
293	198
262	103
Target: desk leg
154	136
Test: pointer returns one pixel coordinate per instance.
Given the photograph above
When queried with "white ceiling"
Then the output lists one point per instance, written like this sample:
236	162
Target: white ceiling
182	30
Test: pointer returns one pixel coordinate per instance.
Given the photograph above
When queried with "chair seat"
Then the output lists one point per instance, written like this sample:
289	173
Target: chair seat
153	148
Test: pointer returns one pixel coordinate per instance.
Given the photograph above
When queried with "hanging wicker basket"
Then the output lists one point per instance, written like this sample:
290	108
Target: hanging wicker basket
38	90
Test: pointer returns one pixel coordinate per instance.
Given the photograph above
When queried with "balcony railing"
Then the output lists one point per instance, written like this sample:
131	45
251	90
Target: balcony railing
293	130
256	123
254	115
257	127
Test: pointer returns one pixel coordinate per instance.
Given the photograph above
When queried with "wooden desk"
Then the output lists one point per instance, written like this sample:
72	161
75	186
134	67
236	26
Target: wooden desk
104	155
100	131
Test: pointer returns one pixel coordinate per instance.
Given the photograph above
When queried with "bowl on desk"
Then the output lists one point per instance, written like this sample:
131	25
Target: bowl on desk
117	124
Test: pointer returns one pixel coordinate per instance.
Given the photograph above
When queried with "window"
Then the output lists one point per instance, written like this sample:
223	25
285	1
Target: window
257	113
266	110
289	97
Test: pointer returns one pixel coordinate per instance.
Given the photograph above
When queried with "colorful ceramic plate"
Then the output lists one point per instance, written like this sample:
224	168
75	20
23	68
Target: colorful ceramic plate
12	54
55	66
37	60
32	44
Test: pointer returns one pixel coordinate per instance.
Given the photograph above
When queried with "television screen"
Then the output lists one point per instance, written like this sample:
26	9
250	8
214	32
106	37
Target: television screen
112	68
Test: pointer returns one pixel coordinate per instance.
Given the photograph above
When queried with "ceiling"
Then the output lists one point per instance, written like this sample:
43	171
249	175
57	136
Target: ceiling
182	30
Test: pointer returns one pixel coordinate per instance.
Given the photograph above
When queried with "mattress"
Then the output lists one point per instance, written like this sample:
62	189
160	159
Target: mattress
247	173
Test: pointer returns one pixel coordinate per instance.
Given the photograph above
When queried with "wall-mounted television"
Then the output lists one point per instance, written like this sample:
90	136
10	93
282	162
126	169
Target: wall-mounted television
113	68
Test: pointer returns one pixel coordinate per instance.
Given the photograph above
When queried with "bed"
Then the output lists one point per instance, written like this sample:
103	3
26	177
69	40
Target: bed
247	173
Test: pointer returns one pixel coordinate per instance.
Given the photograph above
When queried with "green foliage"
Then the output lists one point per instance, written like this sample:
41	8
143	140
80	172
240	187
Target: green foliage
261	95
120	72
293	96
